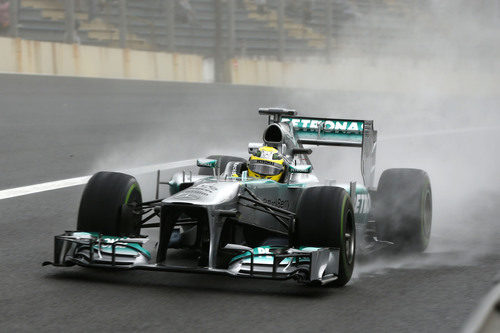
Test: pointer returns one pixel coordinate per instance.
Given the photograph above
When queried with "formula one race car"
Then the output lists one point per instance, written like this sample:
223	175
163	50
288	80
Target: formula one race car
265	217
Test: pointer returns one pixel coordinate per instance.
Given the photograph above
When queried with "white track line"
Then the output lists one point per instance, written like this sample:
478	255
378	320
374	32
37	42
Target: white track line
58	184
30	189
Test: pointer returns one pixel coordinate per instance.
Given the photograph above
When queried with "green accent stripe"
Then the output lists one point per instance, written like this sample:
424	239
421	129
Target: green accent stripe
130	192
342	219
422	214
342	232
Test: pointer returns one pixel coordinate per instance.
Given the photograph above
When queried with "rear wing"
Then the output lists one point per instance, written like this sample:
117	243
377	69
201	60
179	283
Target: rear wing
327	132
333	132
339	132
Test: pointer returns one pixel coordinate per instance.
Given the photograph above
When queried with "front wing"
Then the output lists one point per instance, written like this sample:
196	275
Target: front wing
310	265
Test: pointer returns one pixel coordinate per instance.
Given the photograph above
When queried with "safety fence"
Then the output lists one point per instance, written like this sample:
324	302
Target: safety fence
224	28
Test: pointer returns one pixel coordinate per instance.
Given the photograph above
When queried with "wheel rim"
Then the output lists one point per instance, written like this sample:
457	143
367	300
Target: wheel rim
349	239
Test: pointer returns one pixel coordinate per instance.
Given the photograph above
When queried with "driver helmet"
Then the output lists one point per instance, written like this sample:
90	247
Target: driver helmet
266	163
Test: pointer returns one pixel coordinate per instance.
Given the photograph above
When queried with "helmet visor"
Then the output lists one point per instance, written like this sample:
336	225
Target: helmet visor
265	168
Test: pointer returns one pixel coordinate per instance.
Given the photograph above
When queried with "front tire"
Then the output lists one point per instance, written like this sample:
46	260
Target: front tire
325	218
101	205
403	209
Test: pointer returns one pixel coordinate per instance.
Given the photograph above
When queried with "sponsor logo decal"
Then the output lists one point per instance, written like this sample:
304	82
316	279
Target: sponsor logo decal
328	126
264	162
277	202
196	192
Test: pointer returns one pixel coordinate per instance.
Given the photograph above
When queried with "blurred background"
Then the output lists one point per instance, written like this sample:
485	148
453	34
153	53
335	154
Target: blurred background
342	44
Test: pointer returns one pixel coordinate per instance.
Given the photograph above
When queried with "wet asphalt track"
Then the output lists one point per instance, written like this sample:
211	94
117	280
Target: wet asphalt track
58	128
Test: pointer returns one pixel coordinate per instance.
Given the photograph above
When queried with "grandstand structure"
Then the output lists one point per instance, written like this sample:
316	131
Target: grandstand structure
241	28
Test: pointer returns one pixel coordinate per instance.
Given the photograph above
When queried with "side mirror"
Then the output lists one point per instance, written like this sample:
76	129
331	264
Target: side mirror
206	163
304	168
253	147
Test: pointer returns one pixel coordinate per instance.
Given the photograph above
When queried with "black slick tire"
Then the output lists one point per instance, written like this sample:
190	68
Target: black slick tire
325	218
101	206
403	209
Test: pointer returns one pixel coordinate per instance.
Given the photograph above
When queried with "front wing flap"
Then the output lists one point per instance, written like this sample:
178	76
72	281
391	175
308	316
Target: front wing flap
307	265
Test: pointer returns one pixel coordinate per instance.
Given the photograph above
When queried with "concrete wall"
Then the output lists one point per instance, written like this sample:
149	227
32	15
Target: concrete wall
376	75
345	74
35	57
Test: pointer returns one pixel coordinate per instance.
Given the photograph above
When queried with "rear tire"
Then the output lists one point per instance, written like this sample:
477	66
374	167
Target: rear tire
325	218
101	205
403	208
223	160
